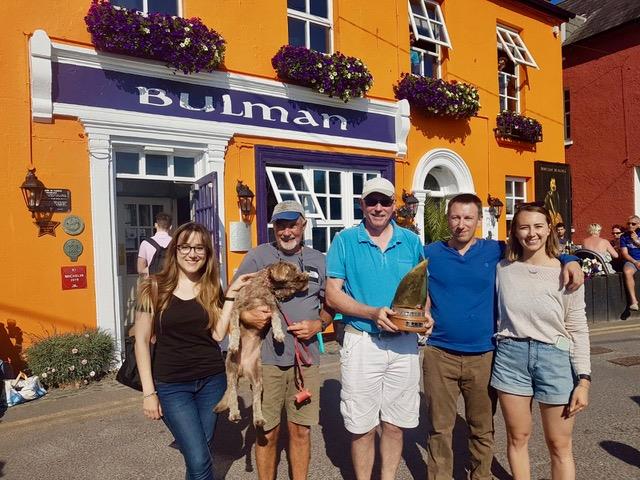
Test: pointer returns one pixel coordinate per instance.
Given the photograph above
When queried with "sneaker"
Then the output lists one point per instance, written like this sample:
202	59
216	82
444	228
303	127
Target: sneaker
634	307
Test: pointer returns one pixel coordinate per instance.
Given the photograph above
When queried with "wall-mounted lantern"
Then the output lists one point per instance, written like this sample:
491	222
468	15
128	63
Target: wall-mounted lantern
245	200
411	202
495	206
32	190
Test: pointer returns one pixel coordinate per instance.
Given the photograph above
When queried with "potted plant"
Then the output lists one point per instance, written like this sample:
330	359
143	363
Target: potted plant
437	97
335	75
183	44
514	126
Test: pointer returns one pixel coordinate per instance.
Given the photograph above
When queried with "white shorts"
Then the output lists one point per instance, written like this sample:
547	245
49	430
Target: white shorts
380	381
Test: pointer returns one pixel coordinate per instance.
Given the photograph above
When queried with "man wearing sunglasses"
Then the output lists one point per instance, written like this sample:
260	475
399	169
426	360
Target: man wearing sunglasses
630	250
459	353
379	365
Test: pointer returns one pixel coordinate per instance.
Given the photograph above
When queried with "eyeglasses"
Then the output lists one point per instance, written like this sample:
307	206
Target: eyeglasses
372	201
185	249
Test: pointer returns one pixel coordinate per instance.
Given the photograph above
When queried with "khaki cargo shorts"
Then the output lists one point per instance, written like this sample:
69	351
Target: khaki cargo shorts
279	390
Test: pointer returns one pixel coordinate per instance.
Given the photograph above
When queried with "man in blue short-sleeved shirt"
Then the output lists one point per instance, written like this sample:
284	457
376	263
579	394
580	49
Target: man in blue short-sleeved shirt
630	250
379	365
458	357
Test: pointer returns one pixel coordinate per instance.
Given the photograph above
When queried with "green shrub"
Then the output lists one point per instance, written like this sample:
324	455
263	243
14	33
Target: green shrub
71	358
436	225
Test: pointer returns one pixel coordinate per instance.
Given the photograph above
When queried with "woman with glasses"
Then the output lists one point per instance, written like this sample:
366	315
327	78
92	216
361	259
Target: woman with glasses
542	348
181	308
599	245
630	250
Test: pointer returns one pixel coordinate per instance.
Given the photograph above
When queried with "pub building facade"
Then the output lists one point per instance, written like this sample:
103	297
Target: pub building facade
116	138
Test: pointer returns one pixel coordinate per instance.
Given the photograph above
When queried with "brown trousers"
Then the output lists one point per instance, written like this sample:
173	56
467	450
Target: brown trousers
446	376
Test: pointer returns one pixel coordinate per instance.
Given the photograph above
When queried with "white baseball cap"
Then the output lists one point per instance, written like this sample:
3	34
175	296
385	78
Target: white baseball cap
378	185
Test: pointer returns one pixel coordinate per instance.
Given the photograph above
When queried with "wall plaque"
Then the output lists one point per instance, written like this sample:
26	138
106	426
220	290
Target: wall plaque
73	249
73	225
73	277
55	200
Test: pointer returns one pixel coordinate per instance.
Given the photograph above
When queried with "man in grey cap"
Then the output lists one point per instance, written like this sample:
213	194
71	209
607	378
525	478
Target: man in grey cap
308	317
379	365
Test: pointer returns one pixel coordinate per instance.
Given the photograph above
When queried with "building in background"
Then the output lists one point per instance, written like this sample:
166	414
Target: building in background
116	138
601	64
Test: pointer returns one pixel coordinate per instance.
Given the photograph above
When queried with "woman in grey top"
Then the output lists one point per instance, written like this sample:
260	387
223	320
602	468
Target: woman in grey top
543	345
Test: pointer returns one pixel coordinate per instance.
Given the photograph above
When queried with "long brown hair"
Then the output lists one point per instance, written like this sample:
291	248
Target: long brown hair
514	249
208	286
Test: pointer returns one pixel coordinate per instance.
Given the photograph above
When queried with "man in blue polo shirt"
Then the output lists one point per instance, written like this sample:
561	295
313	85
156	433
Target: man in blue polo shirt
630	250
380	367
458	357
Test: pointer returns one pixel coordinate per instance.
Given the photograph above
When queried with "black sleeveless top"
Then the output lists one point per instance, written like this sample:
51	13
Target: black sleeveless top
185	350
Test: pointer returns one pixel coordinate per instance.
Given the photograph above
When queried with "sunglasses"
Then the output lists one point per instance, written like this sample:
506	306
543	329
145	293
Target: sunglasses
617	233
372	200
632	224
518	206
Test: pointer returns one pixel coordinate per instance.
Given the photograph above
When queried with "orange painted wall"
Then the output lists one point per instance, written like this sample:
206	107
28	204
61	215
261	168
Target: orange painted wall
377	32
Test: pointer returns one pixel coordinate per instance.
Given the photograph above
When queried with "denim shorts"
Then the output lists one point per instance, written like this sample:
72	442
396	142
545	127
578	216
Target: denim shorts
533	369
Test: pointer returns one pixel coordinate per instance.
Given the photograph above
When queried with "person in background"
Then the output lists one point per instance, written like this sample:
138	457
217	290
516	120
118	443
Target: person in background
542	348
149	246
561	231
186	377
616	232
630	250
599	245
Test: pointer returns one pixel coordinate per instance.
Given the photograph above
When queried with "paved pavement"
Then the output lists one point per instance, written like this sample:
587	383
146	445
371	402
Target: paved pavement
100	433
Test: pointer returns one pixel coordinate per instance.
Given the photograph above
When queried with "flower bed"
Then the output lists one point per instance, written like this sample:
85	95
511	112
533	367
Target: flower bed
335	75
518	127
436	97
183	44
71	358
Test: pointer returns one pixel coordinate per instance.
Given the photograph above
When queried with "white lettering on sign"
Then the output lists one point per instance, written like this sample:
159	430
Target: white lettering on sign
158	97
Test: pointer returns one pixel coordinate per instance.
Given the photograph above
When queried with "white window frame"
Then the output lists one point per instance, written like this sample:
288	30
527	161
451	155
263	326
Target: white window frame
318	219
504	95
145	6
170	153
308	19
433	25
515	47
423	52
513	196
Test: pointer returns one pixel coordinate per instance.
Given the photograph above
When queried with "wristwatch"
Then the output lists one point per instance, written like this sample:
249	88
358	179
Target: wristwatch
584	376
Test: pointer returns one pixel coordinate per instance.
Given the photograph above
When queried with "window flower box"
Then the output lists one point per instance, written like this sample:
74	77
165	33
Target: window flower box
335	75
437	97
511	125
183	44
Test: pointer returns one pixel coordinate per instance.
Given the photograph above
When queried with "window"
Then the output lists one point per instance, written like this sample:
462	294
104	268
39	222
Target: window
159	166
169	7
511	43
426	63
427	22
330	197
508	84
516	193
309	24
567	116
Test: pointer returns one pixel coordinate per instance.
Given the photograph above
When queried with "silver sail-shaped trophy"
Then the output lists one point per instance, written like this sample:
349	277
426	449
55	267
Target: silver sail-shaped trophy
409	300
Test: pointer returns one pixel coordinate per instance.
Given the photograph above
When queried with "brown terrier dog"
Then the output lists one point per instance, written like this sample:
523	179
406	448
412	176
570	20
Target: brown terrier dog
277	282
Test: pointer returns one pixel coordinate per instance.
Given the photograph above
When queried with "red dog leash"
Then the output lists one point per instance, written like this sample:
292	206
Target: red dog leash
301	351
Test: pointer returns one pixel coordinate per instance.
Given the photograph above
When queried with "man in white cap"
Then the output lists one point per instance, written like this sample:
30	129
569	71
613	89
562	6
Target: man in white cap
380	367
308	317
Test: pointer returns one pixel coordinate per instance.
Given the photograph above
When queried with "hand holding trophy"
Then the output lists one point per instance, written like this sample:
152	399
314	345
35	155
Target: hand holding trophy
410	299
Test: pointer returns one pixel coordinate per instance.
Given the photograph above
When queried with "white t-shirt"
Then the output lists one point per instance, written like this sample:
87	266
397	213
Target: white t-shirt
147	251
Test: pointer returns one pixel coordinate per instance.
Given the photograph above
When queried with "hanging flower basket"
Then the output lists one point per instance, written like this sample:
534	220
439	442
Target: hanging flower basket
437	97
335	75
183	44
514	126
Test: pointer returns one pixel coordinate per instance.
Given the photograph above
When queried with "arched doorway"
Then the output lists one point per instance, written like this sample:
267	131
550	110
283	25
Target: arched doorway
441	174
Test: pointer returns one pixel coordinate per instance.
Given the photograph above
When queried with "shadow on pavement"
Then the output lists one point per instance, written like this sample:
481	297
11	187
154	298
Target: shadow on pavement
635	398
229	443
622	452
337	440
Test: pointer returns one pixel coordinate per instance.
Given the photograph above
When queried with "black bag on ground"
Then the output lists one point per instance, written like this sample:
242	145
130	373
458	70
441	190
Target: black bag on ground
157	262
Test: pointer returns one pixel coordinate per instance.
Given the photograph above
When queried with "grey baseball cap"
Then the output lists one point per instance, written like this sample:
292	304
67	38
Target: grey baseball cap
287	210
378	185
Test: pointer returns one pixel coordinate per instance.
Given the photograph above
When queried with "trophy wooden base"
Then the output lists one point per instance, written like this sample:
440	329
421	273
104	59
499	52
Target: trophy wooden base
409	319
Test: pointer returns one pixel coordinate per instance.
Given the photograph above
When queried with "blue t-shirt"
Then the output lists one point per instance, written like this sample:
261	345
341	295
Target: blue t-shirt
462	289
632	248
370	275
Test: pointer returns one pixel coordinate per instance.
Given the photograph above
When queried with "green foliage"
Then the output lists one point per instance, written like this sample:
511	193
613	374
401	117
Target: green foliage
71	358
436	227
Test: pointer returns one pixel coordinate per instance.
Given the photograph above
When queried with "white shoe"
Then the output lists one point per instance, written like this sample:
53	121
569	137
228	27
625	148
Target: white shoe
634	307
